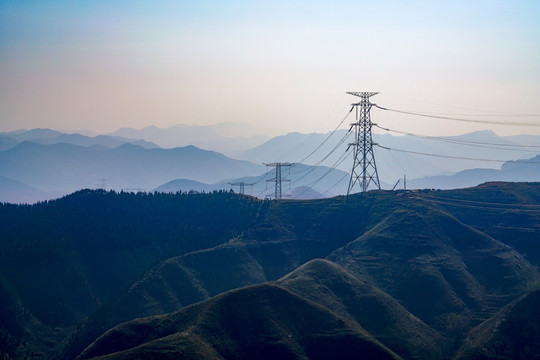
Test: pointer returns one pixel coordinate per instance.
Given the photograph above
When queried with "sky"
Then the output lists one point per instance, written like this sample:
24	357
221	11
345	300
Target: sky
279	66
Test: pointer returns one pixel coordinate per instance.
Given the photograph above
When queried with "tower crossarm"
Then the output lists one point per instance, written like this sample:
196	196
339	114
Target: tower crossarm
362	94
278	179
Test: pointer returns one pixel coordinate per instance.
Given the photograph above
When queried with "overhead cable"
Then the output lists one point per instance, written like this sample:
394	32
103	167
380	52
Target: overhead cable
493	113
456	157
325	140
458	119
483	144
473	206
484	203
336	164
314	166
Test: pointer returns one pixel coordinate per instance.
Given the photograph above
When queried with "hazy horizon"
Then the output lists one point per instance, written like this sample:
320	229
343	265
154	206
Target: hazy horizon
283	66
256	131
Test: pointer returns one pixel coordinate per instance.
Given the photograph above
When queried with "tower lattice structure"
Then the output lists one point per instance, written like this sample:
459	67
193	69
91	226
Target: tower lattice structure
241	186
278	179
364	169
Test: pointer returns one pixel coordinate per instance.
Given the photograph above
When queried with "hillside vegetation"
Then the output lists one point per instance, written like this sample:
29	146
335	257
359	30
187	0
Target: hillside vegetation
397	274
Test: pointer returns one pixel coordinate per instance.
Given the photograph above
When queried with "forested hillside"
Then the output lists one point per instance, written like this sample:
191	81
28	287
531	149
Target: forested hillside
405	274
67	257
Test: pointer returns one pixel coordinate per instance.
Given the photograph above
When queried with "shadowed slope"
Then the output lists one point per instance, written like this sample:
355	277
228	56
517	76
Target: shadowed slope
436	266
88	253
508	212
258	322
329	285
171	285
513	333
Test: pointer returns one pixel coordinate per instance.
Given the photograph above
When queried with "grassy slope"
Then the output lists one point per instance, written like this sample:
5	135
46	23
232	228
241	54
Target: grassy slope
436	266
441	269
261	321
512	333
329	285
446	271
68	257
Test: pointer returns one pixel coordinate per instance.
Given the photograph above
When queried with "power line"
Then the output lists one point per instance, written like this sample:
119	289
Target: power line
340	180
494	113
336	164
487	203
481	144
489	208
326	139
313	167
456	157
457	119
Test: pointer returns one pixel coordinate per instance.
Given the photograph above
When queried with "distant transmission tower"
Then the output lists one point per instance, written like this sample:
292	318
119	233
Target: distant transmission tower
364	170
278	179
241	186
103	184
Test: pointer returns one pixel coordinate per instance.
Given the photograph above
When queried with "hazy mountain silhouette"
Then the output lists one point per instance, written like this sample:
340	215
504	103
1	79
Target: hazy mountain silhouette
523	170
65	167
392	165
6	142
186	185
68	162
227	138
14	191
299	182
49	137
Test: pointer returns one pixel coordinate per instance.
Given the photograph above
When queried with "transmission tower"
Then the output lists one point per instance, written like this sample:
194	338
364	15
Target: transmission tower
103	184
241	185
364	170
278	179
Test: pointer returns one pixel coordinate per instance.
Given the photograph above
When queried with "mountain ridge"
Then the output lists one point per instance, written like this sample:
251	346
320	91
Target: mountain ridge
70	167
173	252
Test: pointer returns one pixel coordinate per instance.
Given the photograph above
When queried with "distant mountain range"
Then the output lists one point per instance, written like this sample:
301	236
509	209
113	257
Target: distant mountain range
226	138
13	191
521	170
402	160
66	167
49	137
298	182
40	164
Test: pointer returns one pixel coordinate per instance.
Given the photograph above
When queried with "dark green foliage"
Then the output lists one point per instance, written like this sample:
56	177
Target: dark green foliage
67	257
95	259
259	322
329	285
513	333
435	265
516	224
12	318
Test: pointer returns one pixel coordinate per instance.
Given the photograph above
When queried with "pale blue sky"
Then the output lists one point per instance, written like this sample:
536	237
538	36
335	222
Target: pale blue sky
279	65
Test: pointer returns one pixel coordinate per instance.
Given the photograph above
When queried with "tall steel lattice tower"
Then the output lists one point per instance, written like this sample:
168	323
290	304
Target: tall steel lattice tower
364	169
278	179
